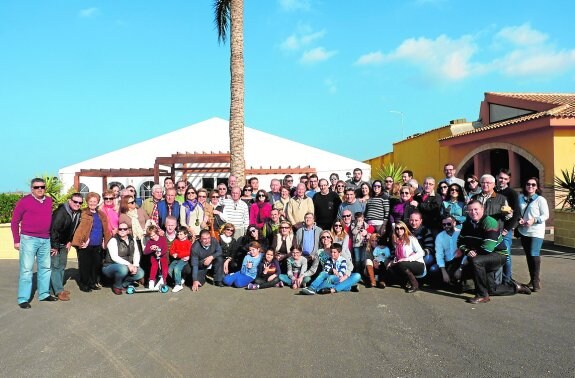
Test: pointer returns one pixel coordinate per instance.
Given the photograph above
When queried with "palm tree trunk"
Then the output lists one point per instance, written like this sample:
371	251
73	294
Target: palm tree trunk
237	163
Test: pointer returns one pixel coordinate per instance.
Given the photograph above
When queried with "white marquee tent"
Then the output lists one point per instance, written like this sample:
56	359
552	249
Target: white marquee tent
261	150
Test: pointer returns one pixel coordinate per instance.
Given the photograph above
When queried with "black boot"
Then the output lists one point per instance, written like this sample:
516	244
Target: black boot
413	281
536	282
530	267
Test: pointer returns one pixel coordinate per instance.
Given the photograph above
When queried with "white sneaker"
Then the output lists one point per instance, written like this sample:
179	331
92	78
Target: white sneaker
183	282
151	284
177	288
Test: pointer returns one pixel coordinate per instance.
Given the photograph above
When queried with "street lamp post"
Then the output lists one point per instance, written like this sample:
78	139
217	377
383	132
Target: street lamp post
402	128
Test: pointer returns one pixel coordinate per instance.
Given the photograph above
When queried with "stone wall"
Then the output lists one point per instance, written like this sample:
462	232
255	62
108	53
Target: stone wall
564	228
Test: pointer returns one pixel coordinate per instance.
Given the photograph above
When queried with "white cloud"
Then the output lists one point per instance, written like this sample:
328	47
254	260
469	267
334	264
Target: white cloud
534	62
316	55
443	56
89	12
522	35
375	57
331	85
297	41
295	5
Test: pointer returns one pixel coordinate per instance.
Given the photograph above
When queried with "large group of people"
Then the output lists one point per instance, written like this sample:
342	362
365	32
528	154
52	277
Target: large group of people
318	236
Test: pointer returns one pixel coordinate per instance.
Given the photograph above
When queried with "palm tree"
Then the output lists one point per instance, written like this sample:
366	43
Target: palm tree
230	14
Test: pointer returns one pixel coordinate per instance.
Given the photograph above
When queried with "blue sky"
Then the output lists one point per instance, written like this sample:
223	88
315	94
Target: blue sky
79	78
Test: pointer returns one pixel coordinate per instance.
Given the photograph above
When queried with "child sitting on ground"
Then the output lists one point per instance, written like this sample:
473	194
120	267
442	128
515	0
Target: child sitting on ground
268	272
376	253
180	252
333	278
249	269
296	267
157	248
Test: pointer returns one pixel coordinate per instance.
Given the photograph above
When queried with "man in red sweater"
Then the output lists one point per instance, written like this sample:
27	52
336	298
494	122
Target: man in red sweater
30	225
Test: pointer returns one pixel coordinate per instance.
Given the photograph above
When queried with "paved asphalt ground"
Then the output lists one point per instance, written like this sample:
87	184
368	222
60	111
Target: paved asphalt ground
275	332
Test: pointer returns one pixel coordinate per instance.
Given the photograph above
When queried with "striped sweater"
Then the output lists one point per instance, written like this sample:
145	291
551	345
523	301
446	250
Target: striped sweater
482	237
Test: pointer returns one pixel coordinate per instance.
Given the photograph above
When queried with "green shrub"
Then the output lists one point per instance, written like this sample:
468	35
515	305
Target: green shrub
7	204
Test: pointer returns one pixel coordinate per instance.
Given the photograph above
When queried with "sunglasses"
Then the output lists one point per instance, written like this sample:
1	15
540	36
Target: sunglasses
247	190
446	224
123	229
262	196
39	187
377	186
453	190
443	187
131	202
471	181
77	202
108	198
346	216
221	188
215	196
325	237
229	229
284	228
190	193
202	197
337	225
289	180
181	187
340	186
406	193
388	180
530	184
399	228
254	230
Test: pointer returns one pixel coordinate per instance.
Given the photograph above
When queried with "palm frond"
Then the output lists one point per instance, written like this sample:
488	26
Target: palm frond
222	18
564	186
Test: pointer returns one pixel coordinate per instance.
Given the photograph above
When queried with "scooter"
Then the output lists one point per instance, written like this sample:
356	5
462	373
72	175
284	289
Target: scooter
160	286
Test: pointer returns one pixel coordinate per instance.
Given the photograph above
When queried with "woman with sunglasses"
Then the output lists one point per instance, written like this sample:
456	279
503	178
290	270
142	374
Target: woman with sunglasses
377	207
338	232
217	209
442	191
247	195
135	218
534	212
454	205
472	187
108	207
192	213
340	189
91	235
408	257
283	242
260	210
333	179
122	260
230	246
401	211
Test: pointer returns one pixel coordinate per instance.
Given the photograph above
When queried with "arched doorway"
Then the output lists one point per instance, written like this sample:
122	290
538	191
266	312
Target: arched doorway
490	158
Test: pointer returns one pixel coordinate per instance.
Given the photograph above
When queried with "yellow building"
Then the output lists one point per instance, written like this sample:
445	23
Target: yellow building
532	134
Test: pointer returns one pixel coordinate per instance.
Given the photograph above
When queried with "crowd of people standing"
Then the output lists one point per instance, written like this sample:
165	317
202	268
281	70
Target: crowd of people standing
319	236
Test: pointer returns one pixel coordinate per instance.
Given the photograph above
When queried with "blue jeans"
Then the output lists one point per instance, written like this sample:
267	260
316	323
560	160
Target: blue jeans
121	275
531	246
237	279
32	248
326	280
58	264
175	270
285	279
507	240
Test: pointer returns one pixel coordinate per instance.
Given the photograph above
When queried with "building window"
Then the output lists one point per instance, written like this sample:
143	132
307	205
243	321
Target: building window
208	183
110	185
84	190
146	190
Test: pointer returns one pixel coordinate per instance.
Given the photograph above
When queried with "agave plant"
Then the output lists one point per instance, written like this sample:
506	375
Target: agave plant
564	186
390	170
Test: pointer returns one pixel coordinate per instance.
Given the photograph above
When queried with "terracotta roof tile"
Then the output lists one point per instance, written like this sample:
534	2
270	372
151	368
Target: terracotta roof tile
565	109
